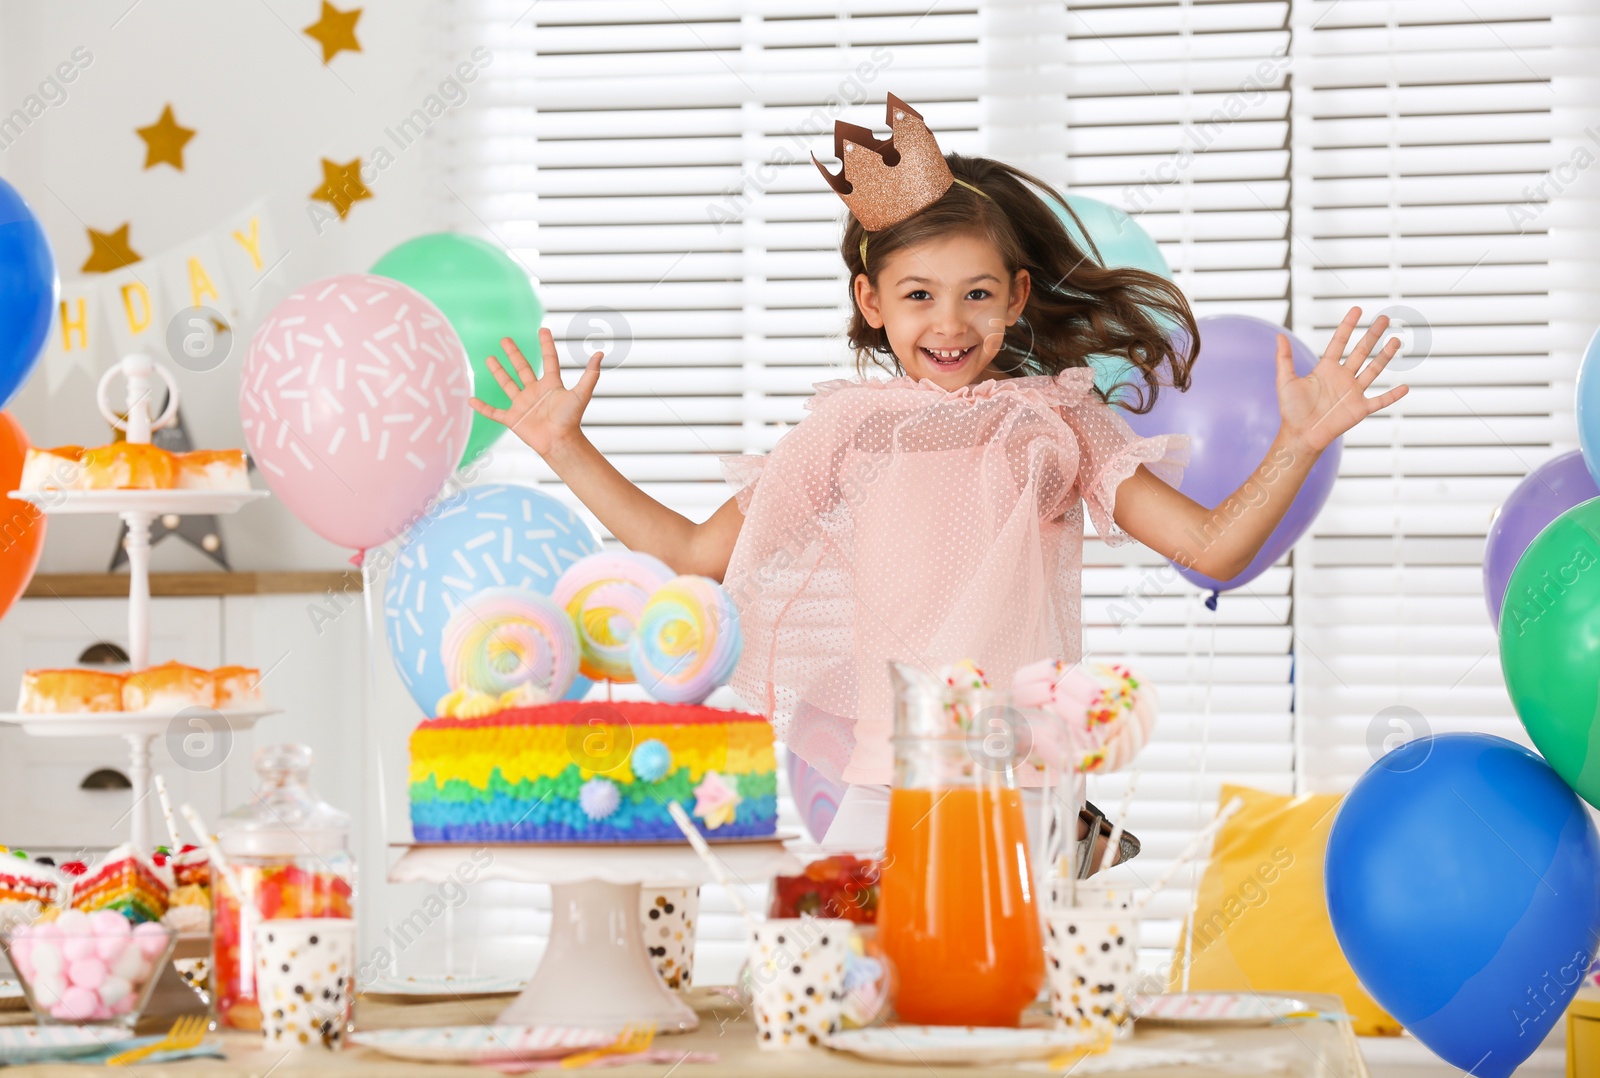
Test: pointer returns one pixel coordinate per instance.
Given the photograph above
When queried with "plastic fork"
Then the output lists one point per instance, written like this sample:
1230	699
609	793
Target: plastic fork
186	1032
632	1039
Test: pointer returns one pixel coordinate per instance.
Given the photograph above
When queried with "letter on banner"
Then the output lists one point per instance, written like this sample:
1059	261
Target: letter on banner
132	305
76	333
250	252
192	274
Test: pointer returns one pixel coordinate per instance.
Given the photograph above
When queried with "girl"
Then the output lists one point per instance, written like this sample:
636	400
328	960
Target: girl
938	514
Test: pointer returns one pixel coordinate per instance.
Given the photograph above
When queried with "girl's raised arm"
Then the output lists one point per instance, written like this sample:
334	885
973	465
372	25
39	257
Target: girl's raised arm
546	416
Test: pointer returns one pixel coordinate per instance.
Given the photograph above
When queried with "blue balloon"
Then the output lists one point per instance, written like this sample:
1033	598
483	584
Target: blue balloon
28	291
504	535
1462	885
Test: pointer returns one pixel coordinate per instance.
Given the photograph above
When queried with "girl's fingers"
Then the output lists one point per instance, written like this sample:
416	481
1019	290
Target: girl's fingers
1364	346
524	371
1365	376
1335	350
552	362
587	381
501	376
1379	403
488	410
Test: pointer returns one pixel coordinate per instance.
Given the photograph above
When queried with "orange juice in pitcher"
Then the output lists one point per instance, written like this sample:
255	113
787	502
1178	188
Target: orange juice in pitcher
956	910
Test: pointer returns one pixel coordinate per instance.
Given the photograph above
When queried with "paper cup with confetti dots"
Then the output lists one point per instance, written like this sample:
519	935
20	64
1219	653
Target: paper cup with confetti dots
305	981
667	916
798	980
1091	952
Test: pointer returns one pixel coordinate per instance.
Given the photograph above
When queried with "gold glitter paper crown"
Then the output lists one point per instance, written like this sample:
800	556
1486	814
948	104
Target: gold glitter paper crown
892	178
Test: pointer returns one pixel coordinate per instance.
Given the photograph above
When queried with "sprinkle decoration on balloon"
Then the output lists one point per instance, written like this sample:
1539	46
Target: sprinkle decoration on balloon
1106	709
605	595
687	641
502	639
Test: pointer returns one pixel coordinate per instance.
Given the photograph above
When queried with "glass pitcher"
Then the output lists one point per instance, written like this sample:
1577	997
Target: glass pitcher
957	913
290	852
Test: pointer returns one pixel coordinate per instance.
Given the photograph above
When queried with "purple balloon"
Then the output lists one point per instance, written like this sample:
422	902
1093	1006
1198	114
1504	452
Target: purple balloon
1548	491
1230	413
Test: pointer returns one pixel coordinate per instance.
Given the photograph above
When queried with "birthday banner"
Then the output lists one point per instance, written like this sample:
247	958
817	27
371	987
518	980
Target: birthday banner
109	315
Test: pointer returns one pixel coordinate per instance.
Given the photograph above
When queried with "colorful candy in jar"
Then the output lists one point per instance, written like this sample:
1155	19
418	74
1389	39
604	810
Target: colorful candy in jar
275	892
841	886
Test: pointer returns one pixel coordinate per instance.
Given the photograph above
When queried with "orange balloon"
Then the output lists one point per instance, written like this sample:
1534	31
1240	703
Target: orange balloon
21	524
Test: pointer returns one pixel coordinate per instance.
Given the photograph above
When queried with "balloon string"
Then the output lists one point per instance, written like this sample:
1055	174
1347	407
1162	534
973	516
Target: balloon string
1200	792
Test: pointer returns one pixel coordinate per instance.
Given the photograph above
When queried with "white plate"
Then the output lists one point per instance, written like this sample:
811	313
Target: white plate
955	1044
1217	1009
480	1044
118	723
140	501
444	986
24	1044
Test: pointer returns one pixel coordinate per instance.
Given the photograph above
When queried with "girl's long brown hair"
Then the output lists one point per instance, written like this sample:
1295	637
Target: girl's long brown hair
1076	308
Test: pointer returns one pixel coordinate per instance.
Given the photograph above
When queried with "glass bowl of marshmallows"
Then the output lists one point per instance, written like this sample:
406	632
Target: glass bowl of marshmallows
88	968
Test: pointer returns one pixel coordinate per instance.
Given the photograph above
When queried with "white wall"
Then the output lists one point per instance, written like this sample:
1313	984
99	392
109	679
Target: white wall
266	110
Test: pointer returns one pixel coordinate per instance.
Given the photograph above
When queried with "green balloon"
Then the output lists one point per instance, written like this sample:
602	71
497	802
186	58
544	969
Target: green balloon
1550	645
486	296
1122	244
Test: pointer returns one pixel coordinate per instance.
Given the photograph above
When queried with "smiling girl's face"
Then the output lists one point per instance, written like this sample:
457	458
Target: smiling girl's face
945	306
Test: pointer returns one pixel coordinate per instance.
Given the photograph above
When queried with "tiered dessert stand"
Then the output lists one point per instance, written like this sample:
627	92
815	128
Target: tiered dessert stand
138	509
595	972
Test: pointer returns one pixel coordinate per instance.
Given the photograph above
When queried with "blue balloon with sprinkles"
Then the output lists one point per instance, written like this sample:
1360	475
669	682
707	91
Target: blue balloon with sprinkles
495	536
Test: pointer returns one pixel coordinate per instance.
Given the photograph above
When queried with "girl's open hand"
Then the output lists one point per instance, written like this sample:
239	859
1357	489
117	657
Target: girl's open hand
542	411
1331	399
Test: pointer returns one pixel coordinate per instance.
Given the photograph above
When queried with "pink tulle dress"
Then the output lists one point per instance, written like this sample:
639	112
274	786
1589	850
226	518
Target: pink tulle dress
899	520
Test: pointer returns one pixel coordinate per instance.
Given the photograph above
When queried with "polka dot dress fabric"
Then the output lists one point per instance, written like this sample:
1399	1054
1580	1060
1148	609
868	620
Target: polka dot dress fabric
902	521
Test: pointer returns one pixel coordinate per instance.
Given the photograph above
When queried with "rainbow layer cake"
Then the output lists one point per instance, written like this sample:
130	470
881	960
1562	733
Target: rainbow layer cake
125	881
573	771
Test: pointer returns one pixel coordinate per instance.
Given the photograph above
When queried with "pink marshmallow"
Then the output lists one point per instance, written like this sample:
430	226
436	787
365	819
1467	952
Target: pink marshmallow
75	947
47	956
124	1005
87	973
48	930
151	938
73	923
109	948
110	923
78	1003
22	955
47	988
114	991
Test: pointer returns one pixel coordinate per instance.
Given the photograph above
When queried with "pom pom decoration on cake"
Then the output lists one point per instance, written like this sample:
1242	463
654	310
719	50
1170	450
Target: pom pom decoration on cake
1105	710
605	595
687	640
504	638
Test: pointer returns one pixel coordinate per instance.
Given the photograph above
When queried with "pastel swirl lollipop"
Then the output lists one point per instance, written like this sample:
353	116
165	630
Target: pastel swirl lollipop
604	594
687	642
504	638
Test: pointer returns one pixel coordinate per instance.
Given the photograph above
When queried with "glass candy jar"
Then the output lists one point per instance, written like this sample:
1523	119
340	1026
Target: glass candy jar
290	854
957	912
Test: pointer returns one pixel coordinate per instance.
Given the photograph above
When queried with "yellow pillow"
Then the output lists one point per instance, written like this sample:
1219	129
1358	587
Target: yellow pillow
1261	918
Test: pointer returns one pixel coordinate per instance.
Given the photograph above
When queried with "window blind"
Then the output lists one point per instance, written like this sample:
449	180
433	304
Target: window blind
1423	135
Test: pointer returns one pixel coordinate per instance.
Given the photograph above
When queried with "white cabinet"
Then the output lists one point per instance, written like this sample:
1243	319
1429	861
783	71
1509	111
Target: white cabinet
43	805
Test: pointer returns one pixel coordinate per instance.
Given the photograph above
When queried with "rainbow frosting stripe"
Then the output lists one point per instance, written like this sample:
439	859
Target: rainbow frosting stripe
519	775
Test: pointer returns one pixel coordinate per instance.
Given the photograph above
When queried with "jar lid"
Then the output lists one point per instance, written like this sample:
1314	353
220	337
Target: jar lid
284	817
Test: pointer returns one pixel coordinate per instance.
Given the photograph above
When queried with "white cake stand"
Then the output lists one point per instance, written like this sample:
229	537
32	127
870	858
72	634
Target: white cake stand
595	972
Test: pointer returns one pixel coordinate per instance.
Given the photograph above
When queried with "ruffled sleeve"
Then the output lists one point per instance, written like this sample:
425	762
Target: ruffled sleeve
1109	452
742	472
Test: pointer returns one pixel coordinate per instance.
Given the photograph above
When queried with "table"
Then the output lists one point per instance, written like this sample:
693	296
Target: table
1319	1049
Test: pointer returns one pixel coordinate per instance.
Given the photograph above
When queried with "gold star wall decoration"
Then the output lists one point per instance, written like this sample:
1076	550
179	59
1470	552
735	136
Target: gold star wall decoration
164	140
109	251
341	185
335	31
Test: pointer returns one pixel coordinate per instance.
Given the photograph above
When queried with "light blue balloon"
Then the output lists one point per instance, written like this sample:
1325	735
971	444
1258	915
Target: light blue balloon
1123	244
505	535
1588	406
